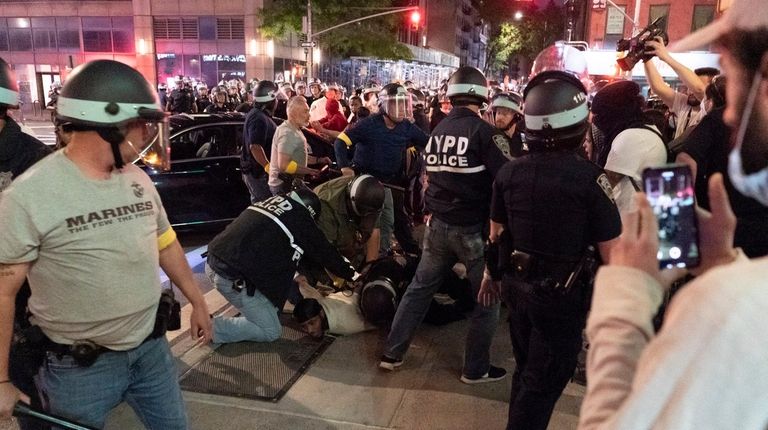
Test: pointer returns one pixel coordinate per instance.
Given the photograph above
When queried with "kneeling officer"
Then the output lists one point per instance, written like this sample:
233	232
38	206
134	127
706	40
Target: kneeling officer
253	261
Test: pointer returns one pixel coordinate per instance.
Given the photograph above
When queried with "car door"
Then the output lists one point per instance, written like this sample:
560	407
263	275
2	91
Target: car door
204	185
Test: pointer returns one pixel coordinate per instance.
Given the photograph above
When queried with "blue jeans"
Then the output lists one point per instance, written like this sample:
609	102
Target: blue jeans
257	187
144	376
444	245
258	321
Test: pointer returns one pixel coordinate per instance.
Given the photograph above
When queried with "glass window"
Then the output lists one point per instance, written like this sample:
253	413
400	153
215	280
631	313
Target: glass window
46	23
122	23
198	143
97	40
97	22
702	15
168	66
123	40
69	40
657	11
68	22
3	39
18	22
208	70
45	40
207	27
20	39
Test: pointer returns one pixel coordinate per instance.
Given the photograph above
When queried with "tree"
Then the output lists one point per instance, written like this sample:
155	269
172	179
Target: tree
527	37
376	37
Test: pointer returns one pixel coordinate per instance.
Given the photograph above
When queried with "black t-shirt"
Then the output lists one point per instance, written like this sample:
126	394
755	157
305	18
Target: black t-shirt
554	204
709	145
18	152
259	129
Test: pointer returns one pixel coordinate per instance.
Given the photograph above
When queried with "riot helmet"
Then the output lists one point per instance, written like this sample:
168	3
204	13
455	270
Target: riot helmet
505	105
9	88
555	111
378	301
302	194
565	58
265	96
395	102
467	85
109	97
419	99
365	198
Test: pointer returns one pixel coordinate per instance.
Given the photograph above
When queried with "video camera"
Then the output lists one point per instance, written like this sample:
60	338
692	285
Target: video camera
635	46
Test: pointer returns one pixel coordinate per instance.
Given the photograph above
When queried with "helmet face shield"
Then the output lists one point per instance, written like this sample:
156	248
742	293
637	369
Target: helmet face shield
153	149
397	107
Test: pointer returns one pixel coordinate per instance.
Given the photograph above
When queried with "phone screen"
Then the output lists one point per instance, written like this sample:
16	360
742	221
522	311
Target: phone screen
670	191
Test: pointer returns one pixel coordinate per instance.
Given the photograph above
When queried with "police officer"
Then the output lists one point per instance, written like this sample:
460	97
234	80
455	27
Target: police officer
202	100
551	206
258	131
379	144
462	159
181	99
507	113
253	261
18	152
351	206
162	93
87	203
419	112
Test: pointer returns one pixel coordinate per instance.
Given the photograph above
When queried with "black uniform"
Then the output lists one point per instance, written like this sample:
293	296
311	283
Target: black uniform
462	156
181	100
202	103
257	249
553	204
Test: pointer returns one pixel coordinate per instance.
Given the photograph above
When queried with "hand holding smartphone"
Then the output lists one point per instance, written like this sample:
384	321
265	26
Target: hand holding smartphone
669	190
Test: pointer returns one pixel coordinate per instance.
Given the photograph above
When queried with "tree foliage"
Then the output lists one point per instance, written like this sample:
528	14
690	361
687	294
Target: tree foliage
376	37
527	37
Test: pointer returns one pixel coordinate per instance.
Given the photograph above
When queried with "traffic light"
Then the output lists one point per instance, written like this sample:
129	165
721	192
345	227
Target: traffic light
415	20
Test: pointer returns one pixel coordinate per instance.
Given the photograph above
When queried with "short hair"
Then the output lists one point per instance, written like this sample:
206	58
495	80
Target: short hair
293	101
747	47
306	309
707	71
355	98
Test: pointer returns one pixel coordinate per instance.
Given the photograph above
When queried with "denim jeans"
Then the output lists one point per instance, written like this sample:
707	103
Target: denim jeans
144	376
444	245
257	187
258	321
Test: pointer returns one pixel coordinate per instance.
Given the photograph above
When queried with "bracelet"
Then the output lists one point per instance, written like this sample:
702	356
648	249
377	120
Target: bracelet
6	381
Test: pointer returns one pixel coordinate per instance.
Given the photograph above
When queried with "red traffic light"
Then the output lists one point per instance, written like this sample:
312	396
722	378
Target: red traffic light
415	17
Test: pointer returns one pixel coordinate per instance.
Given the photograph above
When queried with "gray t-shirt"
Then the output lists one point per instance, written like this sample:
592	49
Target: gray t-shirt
93	245
288	140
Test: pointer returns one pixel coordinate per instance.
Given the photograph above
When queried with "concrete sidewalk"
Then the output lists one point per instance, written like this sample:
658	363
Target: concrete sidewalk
344	389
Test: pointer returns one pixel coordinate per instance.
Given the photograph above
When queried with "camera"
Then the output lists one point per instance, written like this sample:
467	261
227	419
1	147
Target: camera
635	46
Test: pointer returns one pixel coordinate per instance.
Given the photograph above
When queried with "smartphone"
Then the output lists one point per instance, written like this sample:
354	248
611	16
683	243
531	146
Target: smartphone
670	192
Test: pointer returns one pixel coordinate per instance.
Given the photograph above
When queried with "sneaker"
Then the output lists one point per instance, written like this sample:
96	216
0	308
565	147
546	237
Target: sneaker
494	374
388	363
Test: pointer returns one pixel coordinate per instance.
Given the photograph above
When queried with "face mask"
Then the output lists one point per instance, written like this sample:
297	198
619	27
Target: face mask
754	185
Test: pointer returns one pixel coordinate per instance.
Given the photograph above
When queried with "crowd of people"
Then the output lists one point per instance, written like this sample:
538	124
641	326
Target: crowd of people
522	196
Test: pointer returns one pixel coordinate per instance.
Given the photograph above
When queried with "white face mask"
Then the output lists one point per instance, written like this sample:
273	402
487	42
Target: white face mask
754	185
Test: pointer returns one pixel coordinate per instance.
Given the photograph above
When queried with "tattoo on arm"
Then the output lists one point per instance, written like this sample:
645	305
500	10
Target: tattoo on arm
6	270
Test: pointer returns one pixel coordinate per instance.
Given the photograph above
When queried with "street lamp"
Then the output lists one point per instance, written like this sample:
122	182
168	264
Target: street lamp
518	15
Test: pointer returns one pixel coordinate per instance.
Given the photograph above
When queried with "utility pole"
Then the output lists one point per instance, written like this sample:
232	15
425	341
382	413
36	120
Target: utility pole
311	48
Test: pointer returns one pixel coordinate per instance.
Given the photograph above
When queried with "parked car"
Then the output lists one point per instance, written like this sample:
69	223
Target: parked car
204	187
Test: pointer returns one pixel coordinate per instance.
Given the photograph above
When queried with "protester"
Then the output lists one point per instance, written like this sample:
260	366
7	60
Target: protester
704	369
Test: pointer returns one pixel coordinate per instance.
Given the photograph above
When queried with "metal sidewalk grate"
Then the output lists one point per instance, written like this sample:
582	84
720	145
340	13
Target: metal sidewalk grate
262	371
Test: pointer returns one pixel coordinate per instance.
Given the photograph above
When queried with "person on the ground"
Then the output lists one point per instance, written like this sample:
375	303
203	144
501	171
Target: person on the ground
685	106
89	204
507	113
462	159
379	143
548	207
290	150
704	368
631	142
258	133
18	152
253	261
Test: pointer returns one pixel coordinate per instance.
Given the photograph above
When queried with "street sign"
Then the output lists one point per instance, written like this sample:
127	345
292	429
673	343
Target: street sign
312	44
